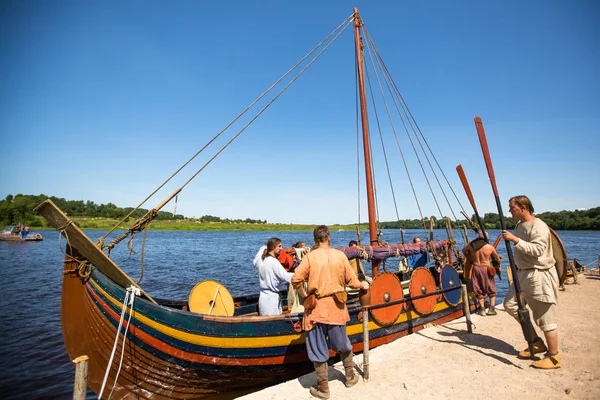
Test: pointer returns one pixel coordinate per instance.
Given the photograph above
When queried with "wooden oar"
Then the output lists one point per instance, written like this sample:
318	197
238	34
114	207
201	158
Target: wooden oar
465	183
497	241
523	312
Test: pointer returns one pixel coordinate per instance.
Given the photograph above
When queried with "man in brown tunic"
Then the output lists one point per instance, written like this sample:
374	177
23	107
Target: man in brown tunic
327	272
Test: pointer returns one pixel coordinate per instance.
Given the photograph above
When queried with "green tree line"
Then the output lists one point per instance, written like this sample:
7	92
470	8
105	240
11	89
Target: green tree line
19	209
579	220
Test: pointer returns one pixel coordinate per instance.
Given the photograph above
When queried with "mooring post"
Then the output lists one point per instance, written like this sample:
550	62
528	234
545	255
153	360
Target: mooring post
365	321
466	308
81	376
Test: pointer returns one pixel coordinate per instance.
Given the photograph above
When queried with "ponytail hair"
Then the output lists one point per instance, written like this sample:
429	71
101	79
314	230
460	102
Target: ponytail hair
271	245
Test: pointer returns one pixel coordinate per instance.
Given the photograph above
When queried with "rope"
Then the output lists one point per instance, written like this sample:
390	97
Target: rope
381	135
130	294
412	120
142	257
84	268
356	101
346	21
139	225
416	153
402	153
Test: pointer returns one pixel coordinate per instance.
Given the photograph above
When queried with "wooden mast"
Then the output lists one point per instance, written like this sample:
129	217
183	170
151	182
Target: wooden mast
366	142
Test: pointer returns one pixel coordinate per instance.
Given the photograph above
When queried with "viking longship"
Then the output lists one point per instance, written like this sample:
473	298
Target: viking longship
144	347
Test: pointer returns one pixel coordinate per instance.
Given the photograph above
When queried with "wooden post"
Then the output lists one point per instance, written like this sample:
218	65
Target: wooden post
466	308
365	321
81	376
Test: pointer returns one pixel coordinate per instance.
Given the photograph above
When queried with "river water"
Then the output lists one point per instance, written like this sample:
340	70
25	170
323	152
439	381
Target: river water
33	361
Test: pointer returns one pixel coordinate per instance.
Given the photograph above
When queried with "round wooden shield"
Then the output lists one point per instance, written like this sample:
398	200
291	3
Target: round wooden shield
211	298
385	288
560	256
422	282
449	279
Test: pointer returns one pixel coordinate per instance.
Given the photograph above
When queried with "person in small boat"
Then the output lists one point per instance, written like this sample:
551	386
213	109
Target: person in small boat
478	254
327	272
537	276
272	277
416	260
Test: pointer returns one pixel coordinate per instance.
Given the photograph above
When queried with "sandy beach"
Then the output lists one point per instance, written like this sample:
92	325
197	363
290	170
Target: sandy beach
446	361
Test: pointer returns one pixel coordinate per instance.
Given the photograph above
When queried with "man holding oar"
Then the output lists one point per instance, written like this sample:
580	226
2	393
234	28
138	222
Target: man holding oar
538	279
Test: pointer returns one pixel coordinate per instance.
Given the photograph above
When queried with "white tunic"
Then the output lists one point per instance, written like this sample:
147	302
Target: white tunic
535	261
273	278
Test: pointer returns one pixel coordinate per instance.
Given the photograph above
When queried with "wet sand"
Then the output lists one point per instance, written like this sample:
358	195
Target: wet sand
446	361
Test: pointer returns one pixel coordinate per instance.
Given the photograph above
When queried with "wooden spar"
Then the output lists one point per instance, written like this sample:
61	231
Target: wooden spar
465	183
85	246
366	141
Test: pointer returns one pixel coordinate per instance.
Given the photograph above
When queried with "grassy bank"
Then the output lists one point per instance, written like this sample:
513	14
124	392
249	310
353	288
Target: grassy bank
195	225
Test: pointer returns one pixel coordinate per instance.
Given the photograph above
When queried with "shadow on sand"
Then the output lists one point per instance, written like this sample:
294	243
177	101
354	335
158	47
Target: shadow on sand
476	342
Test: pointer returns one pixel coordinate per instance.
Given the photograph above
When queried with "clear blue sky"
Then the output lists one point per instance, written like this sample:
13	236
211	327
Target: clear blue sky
104	100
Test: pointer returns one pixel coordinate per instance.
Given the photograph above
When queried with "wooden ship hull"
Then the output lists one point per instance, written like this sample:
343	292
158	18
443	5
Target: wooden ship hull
172	353
163	350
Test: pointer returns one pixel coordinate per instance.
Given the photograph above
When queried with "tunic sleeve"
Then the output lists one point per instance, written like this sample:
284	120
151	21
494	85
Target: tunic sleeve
301	272
539	238
258	256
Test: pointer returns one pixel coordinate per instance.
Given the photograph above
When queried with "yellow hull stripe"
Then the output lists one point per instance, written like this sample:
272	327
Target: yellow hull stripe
246	342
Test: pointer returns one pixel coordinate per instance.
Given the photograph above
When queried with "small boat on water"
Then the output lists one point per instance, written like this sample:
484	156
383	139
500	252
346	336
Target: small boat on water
13	233
145	347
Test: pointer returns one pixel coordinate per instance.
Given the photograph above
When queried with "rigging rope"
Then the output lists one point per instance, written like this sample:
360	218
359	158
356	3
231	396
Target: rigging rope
356	101
417	156
412	121
346	22
380	133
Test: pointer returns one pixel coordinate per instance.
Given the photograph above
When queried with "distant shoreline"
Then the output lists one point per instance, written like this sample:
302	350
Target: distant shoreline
106	224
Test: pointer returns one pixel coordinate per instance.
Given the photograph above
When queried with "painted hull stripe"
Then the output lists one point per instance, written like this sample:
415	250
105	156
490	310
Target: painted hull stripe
239	342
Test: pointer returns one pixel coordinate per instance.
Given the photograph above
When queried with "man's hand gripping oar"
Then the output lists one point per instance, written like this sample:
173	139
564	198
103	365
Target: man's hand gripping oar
465	183
523	312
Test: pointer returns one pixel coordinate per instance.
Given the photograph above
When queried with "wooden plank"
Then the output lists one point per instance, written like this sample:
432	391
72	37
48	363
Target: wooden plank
86	247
